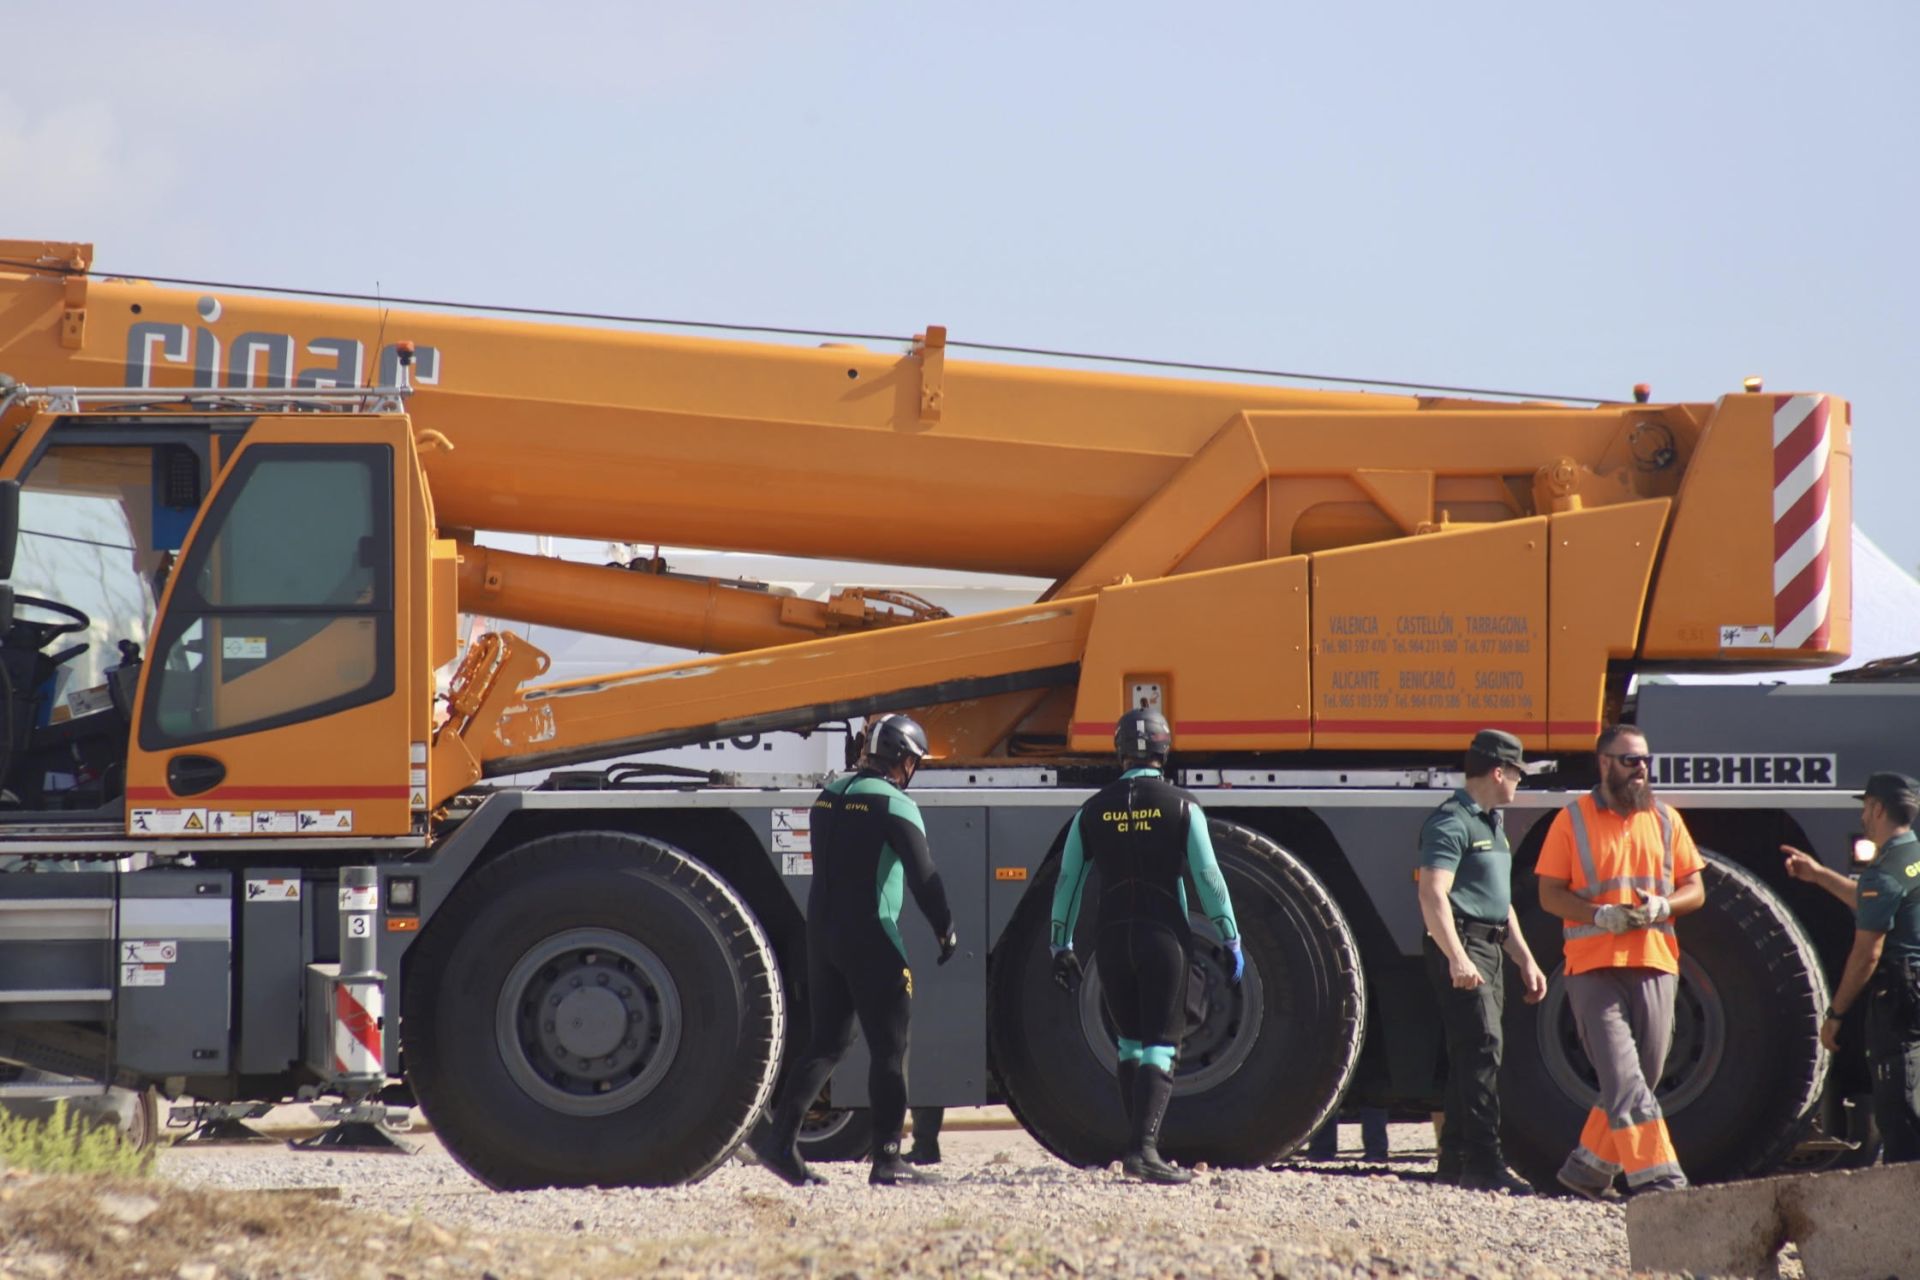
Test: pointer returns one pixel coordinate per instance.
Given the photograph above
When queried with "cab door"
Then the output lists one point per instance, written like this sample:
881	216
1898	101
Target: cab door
275	699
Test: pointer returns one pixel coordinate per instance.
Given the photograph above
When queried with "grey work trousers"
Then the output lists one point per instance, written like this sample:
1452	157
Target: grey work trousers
1625	1020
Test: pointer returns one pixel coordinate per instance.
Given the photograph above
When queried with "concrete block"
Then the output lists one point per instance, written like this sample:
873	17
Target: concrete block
1857	1224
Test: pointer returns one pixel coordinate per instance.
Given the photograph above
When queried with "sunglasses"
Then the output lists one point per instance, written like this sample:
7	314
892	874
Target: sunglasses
1630	760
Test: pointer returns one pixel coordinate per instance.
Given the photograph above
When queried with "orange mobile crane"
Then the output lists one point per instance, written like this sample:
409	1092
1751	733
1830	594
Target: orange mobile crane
269	817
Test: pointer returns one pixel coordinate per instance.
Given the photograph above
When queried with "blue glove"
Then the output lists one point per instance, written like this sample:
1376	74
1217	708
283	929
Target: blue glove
1066	969
1239	960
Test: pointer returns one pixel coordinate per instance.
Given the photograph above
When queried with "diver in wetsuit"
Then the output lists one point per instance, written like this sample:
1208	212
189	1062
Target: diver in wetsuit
1143	833
868	843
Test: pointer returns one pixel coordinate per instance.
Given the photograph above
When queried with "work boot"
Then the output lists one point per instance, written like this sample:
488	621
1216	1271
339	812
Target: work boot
1446	1170
1153	1090
1495	1178
926	1135
890	1170
1596	1193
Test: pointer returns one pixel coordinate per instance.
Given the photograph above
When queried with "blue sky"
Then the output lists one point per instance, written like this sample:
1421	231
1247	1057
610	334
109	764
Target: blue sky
1507	195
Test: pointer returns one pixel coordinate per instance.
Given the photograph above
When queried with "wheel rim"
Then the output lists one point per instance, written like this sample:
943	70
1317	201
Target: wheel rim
588	1022
824	1123
1699	1042
1209	1053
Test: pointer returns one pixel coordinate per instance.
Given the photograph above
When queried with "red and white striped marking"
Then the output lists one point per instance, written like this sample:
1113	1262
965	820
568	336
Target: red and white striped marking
356	1030
1802	587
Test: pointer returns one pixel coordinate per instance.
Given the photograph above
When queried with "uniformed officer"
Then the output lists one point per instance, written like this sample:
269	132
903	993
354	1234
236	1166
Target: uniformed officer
1466	901
1885	959
1143	833
867	839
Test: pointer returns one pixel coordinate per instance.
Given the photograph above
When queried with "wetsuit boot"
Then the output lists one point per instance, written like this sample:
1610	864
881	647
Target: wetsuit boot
1153	1090
776	1145
1128	1071
889	1170
926	1135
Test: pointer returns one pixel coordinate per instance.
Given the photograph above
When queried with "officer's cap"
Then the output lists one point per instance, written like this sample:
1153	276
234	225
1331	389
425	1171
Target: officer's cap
1498	744
1892	788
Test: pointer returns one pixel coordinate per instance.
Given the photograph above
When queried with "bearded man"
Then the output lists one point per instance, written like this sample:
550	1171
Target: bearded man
1617	867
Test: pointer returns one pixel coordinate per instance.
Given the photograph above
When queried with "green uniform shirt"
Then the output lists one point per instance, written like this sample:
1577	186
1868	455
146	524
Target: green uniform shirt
1471	842
1890	898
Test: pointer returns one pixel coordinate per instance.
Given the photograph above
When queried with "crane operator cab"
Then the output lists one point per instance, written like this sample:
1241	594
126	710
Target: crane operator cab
182	578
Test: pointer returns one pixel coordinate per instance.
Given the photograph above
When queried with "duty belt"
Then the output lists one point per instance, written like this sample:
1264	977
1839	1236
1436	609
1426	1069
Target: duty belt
1480	929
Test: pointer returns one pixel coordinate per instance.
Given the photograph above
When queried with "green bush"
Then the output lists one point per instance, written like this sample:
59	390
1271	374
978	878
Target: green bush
65	1142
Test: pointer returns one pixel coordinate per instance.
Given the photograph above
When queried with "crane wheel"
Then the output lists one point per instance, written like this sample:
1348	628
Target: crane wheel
592	1009
1746	1070
1261	1065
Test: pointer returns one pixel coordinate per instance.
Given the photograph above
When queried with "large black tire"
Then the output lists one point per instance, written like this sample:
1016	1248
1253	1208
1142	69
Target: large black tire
1261	1071
1746	1069
666	1028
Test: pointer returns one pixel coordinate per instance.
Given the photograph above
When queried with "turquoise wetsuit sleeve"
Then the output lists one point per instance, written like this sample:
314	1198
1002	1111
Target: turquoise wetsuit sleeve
1066	893
1214	899
907	836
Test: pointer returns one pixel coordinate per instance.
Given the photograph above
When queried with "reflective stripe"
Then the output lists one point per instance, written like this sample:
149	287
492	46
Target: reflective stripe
1593	891
1582	845
1595	931
1666	843
1582	1156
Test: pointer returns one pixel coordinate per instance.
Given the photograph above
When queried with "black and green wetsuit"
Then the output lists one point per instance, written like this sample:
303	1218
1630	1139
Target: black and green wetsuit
1143	834
869	845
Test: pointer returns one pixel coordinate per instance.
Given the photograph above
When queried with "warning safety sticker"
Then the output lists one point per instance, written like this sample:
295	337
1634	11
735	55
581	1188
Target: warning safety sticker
167	822
1746	637
273	889
792	830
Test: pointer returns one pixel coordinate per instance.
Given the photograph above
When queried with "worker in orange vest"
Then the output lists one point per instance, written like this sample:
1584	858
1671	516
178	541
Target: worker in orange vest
1618	866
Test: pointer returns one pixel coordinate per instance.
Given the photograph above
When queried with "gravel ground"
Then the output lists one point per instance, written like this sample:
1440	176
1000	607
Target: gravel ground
1005	1208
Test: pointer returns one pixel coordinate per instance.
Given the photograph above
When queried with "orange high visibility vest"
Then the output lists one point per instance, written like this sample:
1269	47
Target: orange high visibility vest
1604	856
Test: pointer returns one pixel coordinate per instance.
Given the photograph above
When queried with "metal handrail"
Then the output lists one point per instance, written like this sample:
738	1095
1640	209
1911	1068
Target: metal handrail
384	399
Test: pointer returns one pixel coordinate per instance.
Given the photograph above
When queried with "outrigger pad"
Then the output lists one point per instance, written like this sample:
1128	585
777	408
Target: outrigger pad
353	1135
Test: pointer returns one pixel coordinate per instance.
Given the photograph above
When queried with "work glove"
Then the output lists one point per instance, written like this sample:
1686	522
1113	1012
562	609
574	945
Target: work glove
1066	969
1616	918
1656	907
1239	960
949	945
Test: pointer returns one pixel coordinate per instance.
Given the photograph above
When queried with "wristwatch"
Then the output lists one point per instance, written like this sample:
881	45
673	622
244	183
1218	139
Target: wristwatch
1833	1014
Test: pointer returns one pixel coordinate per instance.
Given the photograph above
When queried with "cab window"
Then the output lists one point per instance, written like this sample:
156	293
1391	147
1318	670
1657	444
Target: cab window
283	609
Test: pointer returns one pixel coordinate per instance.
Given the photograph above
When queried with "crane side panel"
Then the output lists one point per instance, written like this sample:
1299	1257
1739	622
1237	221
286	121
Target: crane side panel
1756	568
1599	565
1419	642
1228	648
